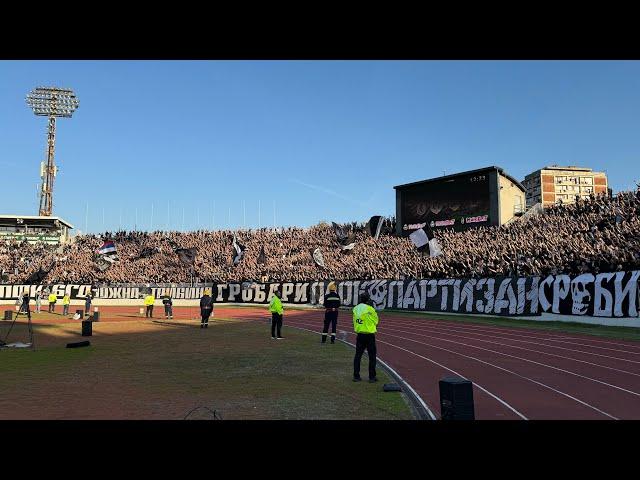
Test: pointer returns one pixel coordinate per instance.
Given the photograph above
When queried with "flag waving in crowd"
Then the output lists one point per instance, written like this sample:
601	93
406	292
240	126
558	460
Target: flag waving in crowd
374	225
346	240
186	255
107	255
262	258
424	240
238	251
107	248
317	257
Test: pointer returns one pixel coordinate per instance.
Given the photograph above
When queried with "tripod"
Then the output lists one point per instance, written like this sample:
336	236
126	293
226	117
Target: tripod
29	326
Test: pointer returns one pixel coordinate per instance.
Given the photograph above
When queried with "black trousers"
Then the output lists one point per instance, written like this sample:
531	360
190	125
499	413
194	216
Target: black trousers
330	318
149	311
52	307
168	311
205	313
276	323
365	341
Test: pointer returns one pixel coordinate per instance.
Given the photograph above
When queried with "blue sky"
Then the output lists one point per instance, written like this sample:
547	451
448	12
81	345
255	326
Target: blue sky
325	140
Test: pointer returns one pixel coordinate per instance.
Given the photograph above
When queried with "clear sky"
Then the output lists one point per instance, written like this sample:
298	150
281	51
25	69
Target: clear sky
325	140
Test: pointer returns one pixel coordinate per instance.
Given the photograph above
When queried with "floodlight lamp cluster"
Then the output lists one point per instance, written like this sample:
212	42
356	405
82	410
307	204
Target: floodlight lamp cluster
53	102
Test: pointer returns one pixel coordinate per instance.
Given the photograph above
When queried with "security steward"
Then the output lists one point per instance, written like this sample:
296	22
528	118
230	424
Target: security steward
365	321
66	301
331	305
149	300
168	304
206	308
275	307
52	302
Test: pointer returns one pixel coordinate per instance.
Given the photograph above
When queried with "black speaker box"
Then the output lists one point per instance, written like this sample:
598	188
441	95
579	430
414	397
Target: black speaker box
456	399
87	328
8	315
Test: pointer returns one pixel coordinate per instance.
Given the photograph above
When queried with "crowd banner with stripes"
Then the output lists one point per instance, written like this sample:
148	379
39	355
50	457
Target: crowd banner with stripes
614	294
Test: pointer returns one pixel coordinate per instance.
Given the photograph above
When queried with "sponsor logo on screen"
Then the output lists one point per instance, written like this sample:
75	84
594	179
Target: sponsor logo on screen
479	218
413	226
443	223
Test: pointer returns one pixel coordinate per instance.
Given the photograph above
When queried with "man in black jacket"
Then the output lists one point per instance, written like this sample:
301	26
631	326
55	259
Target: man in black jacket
206	309
331	305
168	304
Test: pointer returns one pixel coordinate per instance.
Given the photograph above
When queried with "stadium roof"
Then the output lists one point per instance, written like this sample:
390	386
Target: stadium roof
469	172
36	217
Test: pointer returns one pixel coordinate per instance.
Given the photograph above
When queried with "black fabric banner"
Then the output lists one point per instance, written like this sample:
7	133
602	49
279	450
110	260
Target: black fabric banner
615	294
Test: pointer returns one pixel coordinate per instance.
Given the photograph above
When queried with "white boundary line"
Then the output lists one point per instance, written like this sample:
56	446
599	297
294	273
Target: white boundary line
460	334
506	370
422	402
521	359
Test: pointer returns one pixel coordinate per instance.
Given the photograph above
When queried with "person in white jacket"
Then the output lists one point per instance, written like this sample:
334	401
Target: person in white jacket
38	301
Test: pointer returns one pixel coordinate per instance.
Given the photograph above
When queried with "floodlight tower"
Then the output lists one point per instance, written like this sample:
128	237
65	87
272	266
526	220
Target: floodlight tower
51	102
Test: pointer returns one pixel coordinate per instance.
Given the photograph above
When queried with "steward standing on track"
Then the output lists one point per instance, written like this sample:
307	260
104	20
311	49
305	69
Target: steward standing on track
25	304
365	321
52	302
275	307
65	304
168	304
149	300
331	305
87	304
206	308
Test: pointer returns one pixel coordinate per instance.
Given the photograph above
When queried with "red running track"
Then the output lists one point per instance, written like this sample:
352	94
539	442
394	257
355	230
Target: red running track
517	373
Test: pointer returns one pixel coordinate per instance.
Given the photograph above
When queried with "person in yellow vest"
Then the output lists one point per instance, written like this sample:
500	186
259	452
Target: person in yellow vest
149	300
52	302
65	304
275	307
365	321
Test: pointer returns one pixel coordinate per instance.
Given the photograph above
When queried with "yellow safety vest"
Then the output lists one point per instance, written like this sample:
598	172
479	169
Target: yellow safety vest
52	298
149	300
365	318
276	305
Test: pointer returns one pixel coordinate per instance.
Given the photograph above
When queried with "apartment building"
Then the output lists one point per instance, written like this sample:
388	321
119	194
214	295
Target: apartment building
555	184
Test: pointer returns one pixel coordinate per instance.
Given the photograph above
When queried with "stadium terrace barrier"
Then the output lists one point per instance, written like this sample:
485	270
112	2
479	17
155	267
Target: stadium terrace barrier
615	294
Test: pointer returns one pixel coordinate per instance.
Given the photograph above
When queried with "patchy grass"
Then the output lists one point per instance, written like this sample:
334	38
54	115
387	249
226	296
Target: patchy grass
141	369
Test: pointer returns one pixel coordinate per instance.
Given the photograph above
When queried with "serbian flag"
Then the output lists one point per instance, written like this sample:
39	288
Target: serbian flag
107	248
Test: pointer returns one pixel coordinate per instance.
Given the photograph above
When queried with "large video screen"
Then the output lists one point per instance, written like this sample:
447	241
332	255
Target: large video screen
459	203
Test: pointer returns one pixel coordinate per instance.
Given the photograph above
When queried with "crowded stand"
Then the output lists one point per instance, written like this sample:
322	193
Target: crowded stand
600	234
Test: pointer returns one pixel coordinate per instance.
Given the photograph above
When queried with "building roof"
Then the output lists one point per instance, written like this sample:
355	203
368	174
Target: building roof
469	172
568	167
36	217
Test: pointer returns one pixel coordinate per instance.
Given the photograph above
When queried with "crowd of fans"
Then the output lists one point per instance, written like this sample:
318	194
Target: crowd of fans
596	235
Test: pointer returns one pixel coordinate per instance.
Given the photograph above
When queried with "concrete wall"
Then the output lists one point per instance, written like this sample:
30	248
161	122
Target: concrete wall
510	195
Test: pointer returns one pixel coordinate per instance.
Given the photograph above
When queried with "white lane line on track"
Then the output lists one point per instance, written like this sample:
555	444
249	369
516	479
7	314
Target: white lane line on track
509	371
431	329
490	364
480	387
507	331
506	336
527	360
422	402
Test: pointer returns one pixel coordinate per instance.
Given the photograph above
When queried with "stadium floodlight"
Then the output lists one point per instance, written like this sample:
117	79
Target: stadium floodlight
51	102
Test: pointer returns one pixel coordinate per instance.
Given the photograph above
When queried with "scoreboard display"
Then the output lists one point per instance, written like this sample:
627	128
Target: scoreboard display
461	202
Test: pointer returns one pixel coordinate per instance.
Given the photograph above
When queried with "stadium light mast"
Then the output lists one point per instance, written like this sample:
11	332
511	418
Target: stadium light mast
51	102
